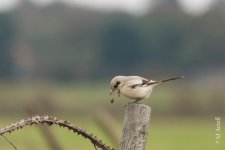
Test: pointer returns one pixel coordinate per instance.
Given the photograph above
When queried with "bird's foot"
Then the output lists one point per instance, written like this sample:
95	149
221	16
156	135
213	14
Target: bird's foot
137	101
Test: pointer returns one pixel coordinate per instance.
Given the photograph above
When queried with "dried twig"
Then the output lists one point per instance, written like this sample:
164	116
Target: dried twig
54	121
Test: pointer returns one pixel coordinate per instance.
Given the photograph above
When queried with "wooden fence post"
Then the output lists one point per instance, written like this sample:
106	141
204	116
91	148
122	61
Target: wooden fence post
135	127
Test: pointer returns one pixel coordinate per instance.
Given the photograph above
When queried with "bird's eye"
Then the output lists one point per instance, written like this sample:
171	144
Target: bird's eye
117	83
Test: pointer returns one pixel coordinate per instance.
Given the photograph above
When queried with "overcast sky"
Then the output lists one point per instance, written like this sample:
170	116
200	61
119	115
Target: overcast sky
135	7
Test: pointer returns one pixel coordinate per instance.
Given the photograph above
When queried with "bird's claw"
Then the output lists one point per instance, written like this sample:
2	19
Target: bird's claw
136	101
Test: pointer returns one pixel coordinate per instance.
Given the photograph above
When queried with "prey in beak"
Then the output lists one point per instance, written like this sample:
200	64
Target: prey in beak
112	91
114	87
112	100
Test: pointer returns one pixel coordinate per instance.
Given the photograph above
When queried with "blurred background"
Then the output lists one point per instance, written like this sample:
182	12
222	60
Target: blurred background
57	57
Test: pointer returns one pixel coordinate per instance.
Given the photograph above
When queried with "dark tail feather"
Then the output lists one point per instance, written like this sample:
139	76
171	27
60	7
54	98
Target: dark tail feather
160	81
171	79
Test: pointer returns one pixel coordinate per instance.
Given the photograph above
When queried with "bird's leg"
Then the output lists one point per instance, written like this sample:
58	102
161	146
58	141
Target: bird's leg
136	101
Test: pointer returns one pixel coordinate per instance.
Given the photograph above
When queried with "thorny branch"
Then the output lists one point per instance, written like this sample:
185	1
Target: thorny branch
49	120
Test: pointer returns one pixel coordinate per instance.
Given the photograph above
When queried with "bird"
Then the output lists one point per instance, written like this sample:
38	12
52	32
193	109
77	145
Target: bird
135	87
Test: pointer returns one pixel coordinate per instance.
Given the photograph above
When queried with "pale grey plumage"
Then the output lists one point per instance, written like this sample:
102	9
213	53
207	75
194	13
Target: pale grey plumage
135	87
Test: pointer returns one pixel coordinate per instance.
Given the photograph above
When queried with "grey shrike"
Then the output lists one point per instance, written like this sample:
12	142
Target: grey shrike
135	87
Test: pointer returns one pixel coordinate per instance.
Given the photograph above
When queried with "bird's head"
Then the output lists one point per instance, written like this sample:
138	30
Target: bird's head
116	83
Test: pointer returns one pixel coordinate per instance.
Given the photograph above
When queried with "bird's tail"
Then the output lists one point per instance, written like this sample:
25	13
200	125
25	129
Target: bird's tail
161	81
170	79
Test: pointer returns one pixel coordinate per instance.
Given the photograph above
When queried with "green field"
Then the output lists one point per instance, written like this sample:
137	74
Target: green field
78	103
165	133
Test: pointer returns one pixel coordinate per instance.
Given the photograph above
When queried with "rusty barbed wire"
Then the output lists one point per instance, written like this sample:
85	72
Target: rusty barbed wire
49	120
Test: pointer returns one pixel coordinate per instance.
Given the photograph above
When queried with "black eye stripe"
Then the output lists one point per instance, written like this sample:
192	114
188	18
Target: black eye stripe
117	83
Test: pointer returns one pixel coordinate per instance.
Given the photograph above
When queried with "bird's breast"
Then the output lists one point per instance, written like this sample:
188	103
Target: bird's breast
137	92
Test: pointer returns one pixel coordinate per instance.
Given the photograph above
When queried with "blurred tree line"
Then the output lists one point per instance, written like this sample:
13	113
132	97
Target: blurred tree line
65	42
6	37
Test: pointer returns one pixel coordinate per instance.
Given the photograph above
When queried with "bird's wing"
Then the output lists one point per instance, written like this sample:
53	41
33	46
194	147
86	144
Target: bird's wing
137	82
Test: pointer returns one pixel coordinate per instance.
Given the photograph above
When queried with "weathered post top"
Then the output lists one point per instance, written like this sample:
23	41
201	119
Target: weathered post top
135	127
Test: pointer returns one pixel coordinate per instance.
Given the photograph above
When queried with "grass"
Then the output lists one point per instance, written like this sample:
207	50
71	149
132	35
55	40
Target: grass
170	133
184	133
79	102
